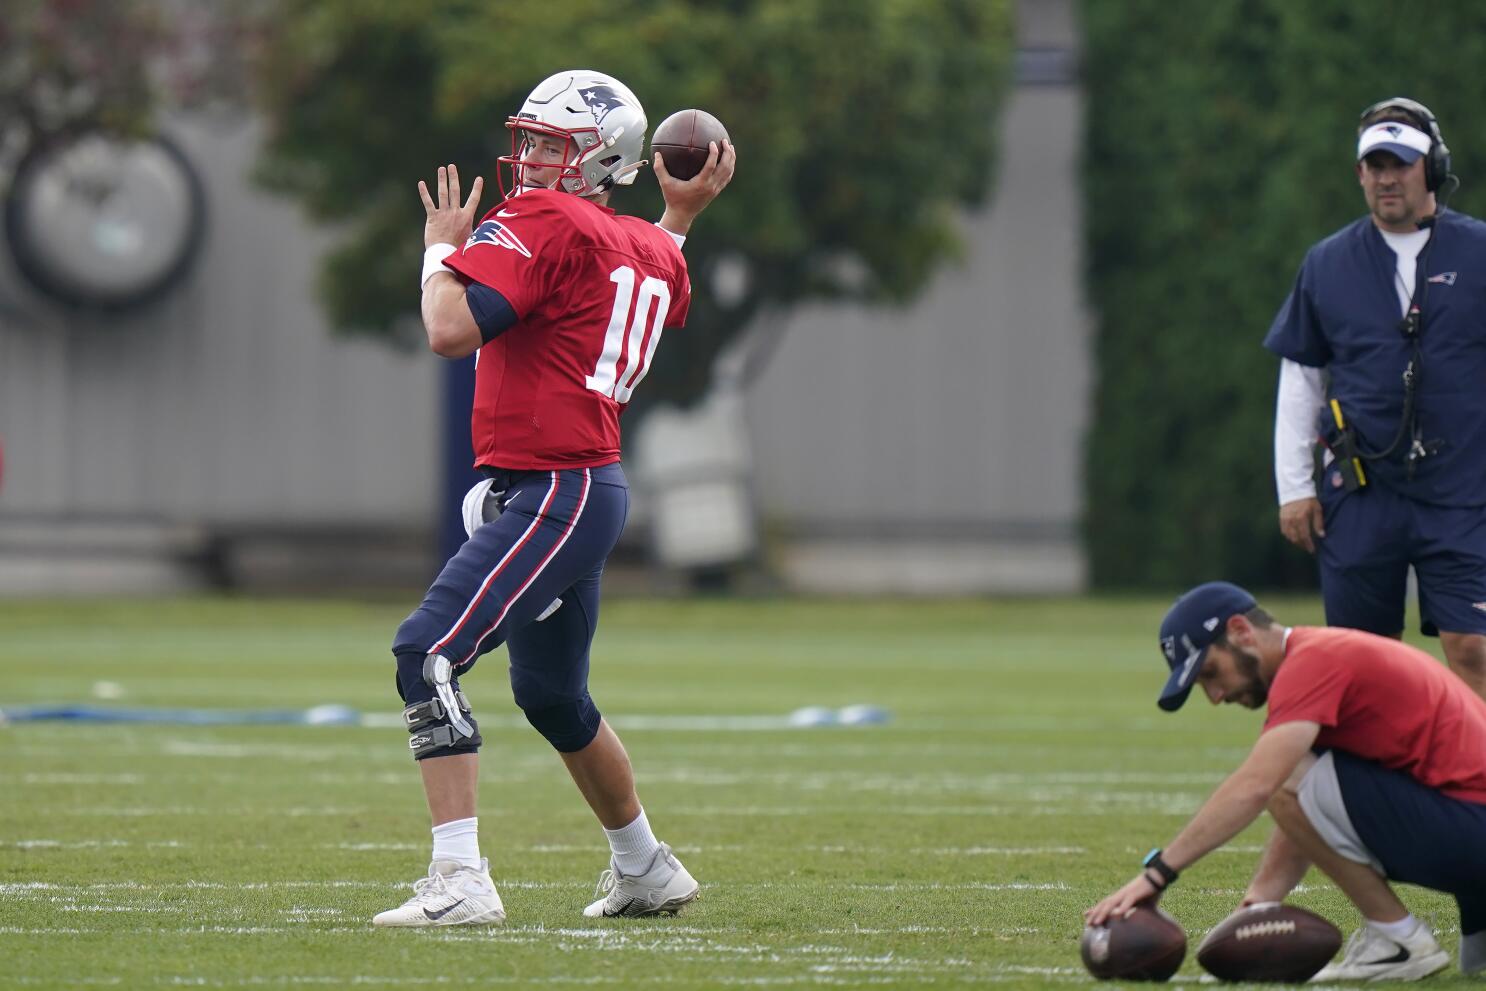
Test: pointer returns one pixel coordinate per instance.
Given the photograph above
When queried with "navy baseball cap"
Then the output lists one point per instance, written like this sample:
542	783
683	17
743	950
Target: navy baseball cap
1408	143
1191	625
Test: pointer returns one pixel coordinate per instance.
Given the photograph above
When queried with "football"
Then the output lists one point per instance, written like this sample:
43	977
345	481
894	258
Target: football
1269	942
682	139
1149	945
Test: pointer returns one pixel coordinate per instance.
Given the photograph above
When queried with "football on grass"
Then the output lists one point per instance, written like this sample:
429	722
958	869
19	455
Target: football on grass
1269	942
682	140
1149	945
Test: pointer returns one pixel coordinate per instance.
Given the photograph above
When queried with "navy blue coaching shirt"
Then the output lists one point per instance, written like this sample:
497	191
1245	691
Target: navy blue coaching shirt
1343	314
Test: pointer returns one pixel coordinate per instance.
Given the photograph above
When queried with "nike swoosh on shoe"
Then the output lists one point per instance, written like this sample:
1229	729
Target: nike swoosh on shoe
620	911
436	916
1399	957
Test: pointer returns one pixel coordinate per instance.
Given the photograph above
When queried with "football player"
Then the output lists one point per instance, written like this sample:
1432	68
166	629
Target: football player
1372	762
564	303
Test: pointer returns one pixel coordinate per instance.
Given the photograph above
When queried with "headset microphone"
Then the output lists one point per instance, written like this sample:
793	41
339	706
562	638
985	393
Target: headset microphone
1447	189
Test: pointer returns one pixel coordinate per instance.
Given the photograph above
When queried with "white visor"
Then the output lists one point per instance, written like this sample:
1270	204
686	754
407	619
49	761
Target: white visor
1408	143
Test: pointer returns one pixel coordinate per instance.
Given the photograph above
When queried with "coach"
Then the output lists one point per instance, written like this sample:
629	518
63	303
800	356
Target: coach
1372	762
1383	348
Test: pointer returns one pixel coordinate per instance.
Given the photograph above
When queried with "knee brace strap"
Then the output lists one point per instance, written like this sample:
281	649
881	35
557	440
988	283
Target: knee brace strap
422	714
434	734
442	741
568	726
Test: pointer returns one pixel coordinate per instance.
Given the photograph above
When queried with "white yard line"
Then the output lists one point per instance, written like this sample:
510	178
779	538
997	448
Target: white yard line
66	778
40	890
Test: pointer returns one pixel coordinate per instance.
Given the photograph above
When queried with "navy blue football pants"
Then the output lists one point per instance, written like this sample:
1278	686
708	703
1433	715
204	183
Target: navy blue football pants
555	530
1374	534
1418	834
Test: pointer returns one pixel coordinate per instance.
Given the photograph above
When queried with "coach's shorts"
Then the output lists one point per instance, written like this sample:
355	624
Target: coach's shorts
1405	830
1374	534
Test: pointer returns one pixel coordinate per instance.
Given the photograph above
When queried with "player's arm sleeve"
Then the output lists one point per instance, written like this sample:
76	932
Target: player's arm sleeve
1296	332
492	312
1298	403
680	239
518	255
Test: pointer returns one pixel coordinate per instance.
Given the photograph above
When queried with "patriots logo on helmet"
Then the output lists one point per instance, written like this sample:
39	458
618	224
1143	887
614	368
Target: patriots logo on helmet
498	234
601	100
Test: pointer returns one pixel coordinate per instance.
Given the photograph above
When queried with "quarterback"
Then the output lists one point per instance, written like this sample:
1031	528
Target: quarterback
564	303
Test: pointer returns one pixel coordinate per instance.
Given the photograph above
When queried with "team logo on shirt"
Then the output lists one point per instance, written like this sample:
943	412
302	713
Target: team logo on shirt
1444	278
496	233
602	100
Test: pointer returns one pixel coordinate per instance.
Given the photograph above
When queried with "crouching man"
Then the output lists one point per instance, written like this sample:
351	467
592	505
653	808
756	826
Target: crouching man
1372	762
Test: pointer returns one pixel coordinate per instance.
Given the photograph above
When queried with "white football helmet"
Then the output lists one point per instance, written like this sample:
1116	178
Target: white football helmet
600	119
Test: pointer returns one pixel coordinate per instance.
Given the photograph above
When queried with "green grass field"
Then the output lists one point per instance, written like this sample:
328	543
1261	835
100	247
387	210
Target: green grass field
1025	772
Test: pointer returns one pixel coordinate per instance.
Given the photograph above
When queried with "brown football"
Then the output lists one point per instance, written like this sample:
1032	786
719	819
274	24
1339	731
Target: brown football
1269	942
682	138
1149	945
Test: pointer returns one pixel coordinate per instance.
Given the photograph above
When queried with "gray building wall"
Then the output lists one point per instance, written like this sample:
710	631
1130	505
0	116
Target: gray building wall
226	407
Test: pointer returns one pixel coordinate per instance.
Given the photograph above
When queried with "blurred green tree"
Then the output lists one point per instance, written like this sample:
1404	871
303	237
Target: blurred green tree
861	126
70	67
1219	147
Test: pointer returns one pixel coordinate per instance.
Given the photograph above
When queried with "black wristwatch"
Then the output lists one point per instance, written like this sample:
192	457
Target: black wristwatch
1167	873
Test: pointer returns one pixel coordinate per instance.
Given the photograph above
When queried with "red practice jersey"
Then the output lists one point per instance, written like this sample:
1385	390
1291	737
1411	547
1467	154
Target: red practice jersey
591	291
1387	702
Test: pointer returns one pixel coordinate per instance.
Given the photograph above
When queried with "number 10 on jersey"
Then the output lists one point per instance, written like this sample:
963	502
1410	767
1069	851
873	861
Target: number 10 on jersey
626	335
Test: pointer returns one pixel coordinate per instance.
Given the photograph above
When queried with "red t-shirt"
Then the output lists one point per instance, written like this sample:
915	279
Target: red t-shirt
591	291
1387	702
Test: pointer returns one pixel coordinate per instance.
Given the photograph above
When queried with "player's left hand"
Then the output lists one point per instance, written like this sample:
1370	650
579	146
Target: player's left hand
448	222
1123	902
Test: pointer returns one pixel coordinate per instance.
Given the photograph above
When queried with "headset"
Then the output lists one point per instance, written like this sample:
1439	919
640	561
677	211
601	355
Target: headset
1437	163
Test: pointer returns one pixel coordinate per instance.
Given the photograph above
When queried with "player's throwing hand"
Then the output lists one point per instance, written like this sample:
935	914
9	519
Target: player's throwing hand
685	198
448	222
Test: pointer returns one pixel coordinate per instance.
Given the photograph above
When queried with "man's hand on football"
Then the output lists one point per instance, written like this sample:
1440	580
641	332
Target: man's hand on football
1302	521
448	222
685	198
1123	902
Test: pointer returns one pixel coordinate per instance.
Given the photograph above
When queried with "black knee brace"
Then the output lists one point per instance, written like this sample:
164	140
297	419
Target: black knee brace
434	735
568	726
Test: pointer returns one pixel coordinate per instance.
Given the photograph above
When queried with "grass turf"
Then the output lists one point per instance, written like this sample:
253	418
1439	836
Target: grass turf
1025	772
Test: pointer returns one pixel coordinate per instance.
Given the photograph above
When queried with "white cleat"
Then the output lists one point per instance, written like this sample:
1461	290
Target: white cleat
1372	956
661	890
451	895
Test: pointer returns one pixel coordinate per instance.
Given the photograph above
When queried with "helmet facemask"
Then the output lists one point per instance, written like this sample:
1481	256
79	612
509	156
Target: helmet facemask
566	172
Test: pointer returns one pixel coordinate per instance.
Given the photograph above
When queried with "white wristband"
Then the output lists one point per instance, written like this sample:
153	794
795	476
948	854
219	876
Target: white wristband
433	261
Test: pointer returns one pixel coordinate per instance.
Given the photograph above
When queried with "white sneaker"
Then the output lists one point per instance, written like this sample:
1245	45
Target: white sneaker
451	895
1372	956
661	890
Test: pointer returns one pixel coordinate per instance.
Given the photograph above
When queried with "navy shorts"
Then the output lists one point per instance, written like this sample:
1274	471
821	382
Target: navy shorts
1374	534
1418	834
555	530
